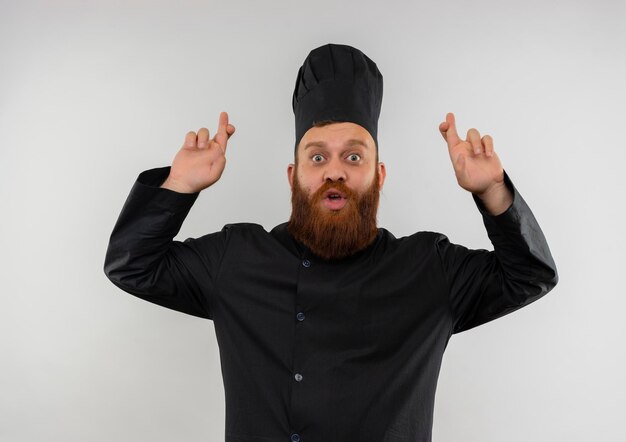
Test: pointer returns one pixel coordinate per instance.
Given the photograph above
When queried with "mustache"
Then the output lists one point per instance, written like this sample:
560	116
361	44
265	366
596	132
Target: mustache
338	185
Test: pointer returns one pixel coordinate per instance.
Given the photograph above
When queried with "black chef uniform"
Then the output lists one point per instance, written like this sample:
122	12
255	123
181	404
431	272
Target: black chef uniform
326	351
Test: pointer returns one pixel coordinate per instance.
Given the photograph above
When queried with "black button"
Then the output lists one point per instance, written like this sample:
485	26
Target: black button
306	263
295	437
300	316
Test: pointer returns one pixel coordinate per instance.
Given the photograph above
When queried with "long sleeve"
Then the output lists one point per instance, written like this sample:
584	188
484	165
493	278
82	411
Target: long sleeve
485	285
143	259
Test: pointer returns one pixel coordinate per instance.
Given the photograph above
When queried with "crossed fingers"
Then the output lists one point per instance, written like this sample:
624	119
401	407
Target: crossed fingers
201	140
473	140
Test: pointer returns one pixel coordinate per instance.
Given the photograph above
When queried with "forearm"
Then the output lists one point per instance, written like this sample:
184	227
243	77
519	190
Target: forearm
518	241
142	257
149	220
486	285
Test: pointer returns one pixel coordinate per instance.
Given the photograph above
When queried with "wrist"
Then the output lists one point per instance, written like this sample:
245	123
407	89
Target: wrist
176	186
497	198
493	189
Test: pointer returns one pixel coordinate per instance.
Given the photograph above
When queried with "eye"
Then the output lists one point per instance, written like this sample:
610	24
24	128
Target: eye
354	157
317	158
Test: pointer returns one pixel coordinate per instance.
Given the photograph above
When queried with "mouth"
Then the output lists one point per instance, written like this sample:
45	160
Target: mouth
334	199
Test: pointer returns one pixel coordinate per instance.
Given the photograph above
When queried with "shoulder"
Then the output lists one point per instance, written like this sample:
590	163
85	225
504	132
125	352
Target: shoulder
420	237
421	243
244	227
244	230
250	234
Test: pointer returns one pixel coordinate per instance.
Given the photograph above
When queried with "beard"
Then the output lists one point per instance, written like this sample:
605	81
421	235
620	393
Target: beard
334	234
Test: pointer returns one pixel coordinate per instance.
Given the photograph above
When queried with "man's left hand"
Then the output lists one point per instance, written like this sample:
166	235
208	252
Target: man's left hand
476	165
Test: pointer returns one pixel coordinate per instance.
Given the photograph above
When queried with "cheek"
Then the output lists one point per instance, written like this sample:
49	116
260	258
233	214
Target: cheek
310	190
303	184
307	182
366	181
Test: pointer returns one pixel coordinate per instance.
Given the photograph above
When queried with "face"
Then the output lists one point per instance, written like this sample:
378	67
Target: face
335	190
338	152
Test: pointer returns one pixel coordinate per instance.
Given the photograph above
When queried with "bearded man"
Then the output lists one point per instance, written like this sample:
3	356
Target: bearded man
334	221
330	329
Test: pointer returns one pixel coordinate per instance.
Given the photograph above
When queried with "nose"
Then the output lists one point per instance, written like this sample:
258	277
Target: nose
335	171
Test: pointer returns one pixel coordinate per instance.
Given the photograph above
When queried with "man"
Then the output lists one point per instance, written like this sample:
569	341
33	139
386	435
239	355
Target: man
329	328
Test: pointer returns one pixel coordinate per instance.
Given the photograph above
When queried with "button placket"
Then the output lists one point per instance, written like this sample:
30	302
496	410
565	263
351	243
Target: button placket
304	279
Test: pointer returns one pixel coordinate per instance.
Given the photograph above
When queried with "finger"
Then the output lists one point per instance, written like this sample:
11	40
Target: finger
448	130
473	136
230	130
488	143
203	138
443	127
190	139
221	137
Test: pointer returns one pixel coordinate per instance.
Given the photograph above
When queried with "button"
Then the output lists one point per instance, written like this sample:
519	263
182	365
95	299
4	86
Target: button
306	263
295	437
298	377
300	316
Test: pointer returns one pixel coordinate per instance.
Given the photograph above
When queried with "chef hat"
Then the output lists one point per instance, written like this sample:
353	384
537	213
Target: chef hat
337	82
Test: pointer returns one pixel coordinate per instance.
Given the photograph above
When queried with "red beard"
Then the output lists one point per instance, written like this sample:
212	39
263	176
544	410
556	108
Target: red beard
334	234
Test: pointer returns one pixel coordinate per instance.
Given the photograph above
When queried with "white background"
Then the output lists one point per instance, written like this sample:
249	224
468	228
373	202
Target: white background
93	93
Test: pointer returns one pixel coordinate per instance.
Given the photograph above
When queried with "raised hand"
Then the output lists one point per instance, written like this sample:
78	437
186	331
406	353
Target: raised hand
476	164
200	162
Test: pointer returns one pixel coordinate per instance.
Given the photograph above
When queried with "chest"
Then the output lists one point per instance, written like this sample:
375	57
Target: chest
370	302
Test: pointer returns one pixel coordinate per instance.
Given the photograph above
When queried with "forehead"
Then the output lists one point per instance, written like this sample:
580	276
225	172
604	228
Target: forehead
337	135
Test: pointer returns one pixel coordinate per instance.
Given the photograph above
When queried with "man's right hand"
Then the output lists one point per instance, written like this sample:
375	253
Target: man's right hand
200	162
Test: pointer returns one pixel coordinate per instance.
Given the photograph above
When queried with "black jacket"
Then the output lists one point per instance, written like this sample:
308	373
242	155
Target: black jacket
323	351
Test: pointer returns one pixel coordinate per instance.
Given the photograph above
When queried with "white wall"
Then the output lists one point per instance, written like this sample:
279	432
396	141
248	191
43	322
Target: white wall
93	93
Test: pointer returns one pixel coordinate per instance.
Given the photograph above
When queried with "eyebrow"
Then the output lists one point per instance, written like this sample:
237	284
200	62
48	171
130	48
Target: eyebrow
351	142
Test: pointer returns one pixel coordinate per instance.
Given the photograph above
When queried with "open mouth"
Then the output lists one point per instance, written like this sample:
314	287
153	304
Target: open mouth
333	194
334	199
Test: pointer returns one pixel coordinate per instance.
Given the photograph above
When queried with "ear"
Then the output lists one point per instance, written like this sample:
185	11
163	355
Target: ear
290	171
382	174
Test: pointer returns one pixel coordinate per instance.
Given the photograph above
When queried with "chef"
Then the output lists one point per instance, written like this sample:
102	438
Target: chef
329	328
